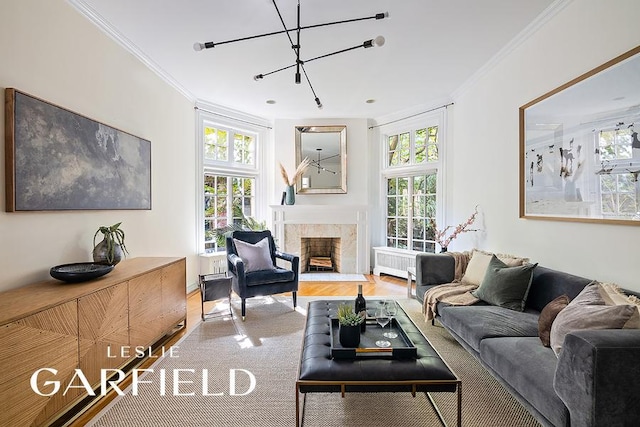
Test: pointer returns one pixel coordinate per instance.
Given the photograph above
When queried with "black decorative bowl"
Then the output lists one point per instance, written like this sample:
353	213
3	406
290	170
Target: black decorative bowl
79	272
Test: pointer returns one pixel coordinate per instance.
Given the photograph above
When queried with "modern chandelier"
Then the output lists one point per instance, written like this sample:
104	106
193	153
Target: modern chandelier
299	63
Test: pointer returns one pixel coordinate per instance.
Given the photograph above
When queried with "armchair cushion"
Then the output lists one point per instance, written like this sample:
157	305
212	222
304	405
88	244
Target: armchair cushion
264	277
256	257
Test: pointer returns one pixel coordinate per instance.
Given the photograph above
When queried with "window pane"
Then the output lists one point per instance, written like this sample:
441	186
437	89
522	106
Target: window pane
420	145
391	186
405	148
391	206
392	145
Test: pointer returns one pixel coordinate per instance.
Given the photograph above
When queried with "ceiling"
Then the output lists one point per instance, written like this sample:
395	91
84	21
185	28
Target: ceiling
432	48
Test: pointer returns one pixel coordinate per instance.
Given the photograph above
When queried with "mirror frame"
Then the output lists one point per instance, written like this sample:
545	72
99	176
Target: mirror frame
558	131
341	132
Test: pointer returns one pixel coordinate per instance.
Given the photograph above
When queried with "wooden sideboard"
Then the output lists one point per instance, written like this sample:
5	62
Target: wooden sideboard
66	327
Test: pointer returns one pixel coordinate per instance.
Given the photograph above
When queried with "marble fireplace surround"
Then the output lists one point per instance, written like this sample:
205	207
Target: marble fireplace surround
349	223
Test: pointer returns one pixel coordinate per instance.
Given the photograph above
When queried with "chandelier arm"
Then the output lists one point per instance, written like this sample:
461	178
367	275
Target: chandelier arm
209	45
261	75
306	76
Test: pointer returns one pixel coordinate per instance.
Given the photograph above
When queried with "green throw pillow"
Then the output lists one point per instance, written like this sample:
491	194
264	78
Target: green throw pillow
505	286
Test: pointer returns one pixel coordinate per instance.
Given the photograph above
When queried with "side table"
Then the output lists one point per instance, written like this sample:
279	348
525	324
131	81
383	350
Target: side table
411	275
212	288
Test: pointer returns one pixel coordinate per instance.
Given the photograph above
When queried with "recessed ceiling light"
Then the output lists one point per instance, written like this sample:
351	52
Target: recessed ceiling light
370	101
271	101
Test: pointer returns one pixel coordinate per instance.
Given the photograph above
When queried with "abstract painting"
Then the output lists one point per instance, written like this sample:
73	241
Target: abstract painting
60	160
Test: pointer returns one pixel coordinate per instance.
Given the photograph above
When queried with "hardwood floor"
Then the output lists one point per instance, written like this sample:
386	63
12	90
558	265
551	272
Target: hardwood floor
374	286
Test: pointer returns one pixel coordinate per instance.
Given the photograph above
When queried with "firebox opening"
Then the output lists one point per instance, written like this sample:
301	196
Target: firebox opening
320	254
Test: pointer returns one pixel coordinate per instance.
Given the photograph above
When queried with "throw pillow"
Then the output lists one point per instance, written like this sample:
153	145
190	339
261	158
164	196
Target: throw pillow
505	286
256	257
589	310
548	315
477	266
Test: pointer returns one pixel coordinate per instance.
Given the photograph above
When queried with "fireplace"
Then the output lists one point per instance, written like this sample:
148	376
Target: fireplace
344	226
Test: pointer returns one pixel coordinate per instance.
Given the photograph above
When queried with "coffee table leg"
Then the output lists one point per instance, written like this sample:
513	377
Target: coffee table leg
460	404
297	406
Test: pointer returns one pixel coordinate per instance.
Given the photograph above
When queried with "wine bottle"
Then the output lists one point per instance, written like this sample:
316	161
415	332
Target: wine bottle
361	307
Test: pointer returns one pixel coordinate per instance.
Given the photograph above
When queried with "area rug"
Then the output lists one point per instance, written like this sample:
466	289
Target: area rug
267	345
332	277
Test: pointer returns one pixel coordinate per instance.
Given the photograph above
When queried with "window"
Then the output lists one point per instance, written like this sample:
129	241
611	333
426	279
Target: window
411	187
218	148
231	182
228	200
618	186
413	148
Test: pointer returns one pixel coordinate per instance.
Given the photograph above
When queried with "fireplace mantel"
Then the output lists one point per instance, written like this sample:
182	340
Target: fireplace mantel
329	219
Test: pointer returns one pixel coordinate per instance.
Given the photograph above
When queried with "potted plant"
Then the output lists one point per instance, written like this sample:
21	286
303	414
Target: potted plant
349	326
111	249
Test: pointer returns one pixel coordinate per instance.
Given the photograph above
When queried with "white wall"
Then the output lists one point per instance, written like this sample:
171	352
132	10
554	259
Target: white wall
483	167
50	51
284	151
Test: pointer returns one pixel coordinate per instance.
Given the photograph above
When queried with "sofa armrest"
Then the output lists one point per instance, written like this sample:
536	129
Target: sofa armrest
597	377
434	269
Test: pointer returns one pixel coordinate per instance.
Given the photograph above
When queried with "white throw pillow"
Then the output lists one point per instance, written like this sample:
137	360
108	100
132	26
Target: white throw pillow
256	257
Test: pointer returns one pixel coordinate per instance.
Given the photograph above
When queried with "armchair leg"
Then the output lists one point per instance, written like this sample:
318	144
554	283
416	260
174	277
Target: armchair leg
295	299
244	308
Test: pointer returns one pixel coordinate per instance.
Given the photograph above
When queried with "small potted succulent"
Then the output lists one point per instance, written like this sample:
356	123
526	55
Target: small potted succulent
111	249
349	326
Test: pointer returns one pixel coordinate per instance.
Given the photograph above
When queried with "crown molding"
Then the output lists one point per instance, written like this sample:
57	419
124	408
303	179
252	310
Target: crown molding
551	11
128	45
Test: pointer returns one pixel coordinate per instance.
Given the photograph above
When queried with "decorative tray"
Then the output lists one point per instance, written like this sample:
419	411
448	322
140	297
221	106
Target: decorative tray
401	347
79	272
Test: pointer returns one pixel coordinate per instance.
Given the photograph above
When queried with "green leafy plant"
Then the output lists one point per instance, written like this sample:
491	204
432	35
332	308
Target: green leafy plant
241	223
347	317
112	236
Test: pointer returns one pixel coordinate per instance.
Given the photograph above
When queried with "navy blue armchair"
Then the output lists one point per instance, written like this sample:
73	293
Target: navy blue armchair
269	279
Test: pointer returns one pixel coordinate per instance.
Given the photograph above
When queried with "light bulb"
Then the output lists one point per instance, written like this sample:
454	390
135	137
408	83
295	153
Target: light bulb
198	46
379	41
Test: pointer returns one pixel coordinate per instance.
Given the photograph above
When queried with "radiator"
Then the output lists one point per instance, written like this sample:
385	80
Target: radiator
213	263
393	261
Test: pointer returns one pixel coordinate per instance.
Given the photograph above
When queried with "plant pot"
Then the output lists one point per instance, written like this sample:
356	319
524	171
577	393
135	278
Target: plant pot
349	336
100	254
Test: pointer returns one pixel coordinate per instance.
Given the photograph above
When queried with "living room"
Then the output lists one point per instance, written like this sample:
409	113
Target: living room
51	51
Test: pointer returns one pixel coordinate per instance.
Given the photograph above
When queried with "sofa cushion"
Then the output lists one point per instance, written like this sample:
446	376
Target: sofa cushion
255	257
505	286
477	322
592	309
547	316
548	284
477	266
528	368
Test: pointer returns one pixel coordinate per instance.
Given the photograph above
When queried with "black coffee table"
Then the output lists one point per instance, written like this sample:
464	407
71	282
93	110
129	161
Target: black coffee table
320	373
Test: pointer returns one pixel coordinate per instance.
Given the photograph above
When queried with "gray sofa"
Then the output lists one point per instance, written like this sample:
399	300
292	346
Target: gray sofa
594	382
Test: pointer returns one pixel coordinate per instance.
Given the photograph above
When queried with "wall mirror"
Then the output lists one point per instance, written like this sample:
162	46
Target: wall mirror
579	147
326	148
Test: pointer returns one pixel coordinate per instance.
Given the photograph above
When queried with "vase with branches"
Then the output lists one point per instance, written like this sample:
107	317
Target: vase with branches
444	237
290	197
111	249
